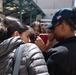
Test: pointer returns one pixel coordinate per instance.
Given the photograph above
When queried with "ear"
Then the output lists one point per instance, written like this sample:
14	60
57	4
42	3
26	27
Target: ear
16	33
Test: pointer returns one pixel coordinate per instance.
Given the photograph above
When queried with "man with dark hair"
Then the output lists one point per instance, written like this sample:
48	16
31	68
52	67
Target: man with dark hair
62	57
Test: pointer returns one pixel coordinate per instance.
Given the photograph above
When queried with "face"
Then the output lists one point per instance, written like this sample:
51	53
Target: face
50	34
37	31
26	36
58	32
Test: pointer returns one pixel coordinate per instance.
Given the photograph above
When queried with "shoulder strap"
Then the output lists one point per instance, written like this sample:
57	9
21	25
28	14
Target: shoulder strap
17	57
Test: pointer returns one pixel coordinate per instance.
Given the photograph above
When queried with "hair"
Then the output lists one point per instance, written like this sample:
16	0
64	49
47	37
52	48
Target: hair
32	38
36	23
72	20
3	31
13	24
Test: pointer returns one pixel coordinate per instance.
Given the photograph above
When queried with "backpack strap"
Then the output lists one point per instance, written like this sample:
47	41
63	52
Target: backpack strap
17	57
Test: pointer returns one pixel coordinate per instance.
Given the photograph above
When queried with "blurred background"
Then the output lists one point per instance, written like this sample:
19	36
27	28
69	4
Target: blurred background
31	10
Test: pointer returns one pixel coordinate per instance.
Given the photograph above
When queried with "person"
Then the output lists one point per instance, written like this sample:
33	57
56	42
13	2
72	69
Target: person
45	48
50	42
32	60
16	29
51	38
3	31
37	28
62	57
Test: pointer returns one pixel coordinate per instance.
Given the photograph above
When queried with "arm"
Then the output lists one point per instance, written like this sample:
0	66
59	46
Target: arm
36	63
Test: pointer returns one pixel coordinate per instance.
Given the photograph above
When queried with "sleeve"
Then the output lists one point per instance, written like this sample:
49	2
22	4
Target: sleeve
57	60
36	63
51	67
45	56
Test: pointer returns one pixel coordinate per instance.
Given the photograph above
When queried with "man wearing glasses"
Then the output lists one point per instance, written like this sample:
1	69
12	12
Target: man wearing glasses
62	57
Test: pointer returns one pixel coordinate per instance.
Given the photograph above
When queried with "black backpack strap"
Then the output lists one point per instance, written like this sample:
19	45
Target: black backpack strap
17	57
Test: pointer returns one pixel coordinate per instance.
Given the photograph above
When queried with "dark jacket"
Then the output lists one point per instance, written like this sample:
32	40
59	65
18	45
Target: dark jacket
62	58
32	61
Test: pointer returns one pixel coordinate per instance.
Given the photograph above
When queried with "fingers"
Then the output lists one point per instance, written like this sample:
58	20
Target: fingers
39	42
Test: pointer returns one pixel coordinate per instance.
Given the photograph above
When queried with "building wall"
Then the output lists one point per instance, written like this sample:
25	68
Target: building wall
50	6
54	4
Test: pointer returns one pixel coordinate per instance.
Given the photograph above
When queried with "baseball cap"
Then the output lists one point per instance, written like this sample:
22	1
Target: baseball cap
61	15
49	26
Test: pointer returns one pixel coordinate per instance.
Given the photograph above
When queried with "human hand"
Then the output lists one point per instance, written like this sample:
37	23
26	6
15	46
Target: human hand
39	42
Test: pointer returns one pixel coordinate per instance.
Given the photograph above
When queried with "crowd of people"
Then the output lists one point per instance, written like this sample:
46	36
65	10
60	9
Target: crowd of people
55	57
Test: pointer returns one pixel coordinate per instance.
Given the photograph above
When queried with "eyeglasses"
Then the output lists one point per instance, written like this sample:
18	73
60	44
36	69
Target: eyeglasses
56	25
